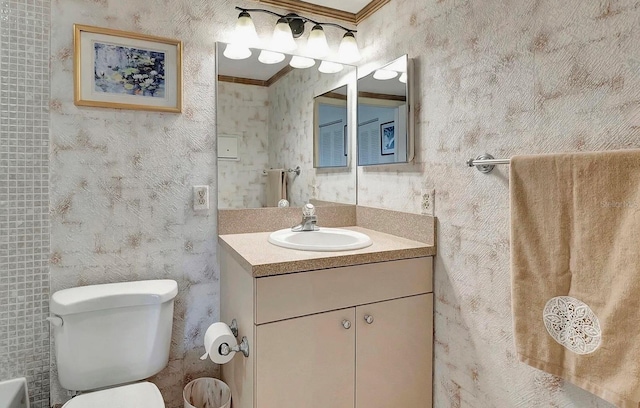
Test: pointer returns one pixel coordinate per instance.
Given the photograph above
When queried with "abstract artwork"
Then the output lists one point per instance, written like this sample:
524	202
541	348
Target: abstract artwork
388	138
117	69
131	71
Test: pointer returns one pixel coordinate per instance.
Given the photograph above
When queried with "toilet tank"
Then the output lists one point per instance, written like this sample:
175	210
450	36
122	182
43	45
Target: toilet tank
113	333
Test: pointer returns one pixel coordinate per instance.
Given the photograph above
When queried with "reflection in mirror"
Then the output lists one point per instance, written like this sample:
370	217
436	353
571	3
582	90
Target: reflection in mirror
330	128
265	127
385	130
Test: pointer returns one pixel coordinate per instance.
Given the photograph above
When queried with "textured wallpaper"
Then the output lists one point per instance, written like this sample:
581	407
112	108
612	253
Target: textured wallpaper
492	76
243	111
291	136
502	77
274	127
121	180
24	195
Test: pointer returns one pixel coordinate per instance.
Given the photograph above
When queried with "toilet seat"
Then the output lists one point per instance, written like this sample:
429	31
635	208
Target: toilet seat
139	395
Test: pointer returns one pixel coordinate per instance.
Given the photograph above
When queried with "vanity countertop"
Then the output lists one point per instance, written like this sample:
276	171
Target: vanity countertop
261	258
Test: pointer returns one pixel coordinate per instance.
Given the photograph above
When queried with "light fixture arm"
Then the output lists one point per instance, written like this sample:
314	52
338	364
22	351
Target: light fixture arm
259	10
335	25
292	16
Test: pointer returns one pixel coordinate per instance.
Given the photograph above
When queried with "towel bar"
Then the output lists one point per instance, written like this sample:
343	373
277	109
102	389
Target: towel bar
486	162
296	170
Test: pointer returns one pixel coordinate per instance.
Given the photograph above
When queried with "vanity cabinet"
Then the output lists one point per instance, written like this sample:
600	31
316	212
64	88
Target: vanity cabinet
349	337
319	360
394	353
306	362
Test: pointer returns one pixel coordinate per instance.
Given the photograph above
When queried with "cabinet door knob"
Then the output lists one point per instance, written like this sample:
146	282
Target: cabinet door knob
368	319
346	324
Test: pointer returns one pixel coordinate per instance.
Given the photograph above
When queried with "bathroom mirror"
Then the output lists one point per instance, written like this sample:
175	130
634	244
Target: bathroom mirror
265	120
330	135
385	125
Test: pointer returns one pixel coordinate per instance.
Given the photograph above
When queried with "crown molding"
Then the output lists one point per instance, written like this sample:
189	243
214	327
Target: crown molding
304	7
256	82
243	81
369	9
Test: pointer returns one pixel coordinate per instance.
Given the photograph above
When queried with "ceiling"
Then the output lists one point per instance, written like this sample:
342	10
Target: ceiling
350	6
352	11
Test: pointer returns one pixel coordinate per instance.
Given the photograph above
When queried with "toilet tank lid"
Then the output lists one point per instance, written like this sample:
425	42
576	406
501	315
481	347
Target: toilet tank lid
112	295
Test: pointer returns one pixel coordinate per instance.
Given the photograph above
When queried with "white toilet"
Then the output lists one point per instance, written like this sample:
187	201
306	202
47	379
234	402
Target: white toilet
113	334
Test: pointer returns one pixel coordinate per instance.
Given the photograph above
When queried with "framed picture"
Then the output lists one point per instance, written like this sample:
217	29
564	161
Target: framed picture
123	70
388	138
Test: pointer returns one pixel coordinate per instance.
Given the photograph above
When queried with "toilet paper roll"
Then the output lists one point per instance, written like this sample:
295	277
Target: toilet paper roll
216	335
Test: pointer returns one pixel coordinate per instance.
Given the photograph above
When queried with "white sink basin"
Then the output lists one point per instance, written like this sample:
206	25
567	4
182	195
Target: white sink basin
326	239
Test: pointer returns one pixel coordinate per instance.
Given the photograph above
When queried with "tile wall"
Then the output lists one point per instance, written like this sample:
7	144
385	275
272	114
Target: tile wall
24	194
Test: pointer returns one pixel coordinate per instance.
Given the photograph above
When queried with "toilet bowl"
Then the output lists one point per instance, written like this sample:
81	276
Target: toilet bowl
139	395
109	336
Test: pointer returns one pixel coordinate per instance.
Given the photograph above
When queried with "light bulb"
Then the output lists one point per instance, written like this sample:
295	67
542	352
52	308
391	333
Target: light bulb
348	51
245	33
317	44
270	57
384	74
282	39
403	78
327	67
236	52
302	62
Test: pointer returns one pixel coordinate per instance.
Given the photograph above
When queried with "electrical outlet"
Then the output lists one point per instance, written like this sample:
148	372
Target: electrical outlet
427	204
200	198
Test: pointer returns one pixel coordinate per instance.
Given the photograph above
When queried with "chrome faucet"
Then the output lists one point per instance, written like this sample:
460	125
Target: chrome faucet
309	219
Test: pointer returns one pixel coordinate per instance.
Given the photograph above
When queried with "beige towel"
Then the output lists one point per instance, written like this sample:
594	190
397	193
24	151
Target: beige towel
575	262
276	186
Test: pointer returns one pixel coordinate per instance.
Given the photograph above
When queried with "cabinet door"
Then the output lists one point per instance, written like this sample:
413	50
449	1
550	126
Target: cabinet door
306	362
394	353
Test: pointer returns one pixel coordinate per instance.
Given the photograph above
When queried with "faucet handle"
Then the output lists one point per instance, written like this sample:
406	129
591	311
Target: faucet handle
308	210
283	203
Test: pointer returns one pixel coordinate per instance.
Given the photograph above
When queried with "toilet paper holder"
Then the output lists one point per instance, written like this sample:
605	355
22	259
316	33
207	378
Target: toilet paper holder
234	327
243	347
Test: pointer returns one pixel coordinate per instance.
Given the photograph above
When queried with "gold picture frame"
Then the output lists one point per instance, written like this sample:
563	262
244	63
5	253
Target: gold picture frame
126	70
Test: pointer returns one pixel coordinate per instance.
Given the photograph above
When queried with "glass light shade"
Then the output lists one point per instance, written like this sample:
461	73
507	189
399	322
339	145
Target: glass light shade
282	39
327	67
245	33
302	62
384	74
348	51
270	57
236	52
403	78
317	43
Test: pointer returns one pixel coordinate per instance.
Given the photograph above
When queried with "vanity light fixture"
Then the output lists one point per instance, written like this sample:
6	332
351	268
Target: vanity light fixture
236	52
317	42
291	26
302	62
245	32
384	74
348	51
245	37
282	39
270	57
328	67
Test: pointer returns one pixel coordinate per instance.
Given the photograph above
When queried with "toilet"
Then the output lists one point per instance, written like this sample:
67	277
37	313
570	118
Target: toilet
109	337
